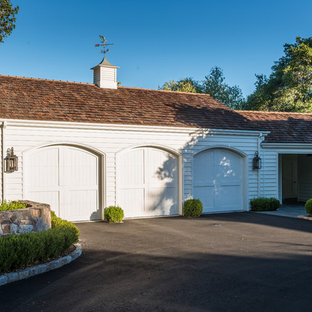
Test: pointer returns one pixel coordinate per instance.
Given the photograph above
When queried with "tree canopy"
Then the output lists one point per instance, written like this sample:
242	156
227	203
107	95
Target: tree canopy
183	85
289	86
7	18
213	84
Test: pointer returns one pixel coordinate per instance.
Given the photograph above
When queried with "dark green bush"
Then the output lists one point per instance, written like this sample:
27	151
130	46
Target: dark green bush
11	205
113	214
308	207
192	208
264	204
275	203
19	251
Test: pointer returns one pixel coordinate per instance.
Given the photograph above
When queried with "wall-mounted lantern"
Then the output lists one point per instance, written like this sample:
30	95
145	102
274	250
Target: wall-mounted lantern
256	162
10	161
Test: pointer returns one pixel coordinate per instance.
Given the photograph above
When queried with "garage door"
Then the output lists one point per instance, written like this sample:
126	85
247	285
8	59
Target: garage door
147	182
66	178
218	180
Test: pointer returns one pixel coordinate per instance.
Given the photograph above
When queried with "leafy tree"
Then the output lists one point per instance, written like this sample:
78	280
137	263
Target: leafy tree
7	18
213	84
289	86
183	85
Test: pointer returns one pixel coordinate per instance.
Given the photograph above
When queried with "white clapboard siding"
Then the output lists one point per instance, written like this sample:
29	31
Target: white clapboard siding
110	141
1	162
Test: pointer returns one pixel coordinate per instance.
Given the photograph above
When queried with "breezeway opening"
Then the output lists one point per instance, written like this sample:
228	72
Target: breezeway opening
295	178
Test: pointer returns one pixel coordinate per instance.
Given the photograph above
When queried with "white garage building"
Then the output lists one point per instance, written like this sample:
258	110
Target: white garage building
82	147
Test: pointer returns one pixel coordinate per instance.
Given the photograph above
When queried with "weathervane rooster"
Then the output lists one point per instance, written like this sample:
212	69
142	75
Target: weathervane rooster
103	45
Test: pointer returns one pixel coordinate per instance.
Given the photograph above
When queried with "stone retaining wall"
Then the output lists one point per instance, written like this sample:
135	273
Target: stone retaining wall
36	217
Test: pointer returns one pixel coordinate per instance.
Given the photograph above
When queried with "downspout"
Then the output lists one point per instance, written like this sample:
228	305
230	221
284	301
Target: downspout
3	126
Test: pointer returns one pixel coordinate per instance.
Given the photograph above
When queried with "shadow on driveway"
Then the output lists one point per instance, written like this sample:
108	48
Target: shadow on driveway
216	263
271	220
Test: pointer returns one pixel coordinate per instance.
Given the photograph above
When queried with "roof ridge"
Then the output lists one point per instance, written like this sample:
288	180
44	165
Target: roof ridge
271	112
89	83
167	91
45	79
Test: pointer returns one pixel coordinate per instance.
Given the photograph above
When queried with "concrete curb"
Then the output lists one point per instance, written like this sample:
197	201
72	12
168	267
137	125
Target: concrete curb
41	268
305	217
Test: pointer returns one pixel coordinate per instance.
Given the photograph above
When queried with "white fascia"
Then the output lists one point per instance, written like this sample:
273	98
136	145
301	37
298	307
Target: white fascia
287	145
122	127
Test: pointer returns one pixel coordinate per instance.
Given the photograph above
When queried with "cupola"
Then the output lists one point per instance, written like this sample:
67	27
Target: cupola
105	74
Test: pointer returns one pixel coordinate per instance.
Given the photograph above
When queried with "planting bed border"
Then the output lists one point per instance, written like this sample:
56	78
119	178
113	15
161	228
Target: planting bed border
305	217
41	268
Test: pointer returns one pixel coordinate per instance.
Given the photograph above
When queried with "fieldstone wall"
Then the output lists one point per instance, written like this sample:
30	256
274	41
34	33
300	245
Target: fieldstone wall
36	217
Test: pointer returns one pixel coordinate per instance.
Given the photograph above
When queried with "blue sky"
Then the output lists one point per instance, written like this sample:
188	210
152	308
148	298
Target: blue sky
154	41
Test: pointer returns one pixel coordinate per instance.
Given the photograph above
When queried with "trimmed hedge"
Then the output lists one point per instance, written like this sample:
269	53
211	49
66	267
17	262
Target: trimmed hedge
192	208
18	251
113	214
264	204
308	207
11	205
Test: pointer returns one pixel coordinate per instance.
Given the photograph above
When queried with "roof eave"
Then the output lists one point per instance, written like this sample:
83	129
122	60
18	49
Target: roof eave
108	66
294	145
111	126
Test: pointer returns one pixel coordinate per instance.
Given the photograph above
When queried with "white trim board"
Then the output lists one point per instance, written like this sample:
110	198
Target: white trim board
286	145
123	127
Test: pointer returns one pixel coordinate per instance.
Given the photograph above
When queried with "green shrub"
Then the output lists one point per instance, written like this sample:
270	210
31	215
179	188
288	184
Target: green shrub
192	208
264	204
275	203
11	205
19	251
113	214
308	207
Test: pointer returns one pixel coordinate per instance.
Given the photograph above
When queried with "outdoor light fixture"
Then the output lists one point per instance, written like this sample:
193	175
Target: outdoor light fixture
256	162
10	161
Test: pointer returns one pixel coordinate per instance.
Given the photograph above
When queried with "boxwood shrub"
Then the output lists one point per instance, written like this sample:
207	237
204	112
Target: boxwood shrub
18	251
192	208
11	205
308	207
264	204
113	214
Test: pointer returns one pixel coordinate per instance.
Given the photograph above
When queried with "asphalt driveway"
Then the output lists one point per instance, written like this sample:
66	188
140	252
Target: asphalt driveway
229	262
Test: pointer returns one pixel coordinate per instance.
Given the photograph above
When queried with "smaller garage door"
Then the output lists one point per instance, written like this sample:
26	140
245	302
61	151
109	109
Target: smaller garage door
147	182
218	180
65	177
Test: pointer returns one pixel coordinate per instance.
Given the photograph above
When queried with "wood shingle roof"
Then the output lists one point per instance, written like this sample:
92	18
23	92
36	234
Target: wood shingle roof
51	100
39	99
284	127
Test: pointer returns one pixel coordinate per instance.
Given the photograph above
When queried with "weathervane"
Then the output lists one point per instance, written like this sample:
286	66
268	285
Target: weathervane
104	45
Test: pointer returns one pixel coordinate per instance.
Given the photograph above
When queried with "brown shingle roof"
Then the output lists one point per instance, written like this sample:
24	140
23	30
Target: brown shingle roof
39	99
284	127
51	100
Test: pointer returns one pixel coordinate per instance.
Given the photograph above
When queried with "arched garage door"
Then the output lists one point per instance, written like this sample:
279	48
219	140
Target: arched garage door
65	177
219	180
147	182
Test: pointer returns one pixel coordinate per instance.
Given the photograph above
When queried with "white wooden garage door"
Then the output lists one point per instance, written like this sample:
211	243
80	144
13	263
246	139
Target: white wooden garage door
65	177
147	182
218	180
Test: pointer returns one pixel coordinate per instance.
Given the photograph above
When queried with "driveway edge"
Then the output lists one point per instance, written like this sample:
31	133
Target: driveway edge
41	268
305	217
